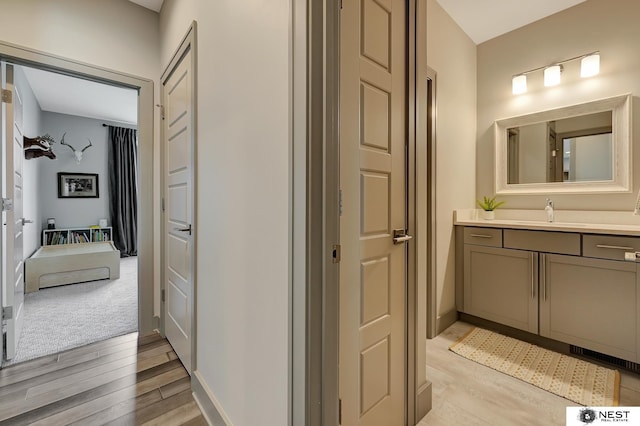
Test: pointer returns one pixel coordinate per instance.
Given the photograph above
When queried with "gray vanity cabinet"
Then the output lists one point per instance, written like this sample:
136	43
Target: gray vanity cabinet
591	303
571	287
501	285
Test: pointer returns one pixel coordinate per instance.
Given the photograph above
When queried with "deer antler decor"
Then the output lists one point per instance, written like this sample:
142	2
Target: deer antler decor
40	146
76	152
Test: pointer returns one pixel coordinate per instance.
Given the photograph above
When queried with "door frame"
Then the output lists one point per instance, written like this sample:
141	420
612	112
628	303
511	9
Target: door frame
187	44
421	196
20	55
428	193
314	212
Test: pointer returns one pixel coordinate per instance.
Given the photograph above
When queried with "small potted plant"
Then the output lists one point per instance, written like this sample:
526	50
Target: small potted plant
488	205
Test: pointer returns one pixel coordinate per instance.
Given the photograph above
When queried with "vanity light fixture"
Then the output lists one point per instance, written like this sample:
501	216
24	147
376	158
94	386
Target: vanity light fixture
552	75
589	66
519	84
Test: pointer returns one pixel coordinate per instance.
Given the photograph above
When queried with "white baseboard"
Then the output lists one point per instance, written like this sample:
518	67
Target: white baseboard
209	405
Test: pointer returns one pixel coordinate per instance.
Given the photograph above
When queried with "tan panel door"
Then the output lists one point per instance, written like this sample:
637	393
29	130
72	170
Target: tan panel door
178	214
373	184
13	256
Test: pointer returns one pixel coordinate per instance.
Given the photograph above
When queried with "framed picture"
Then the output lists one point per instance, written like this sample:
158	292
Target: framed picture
77	185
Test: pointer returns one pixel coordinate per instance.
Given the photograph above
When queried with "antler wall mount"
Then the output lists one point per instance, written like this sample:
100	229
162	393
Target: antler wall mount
76	152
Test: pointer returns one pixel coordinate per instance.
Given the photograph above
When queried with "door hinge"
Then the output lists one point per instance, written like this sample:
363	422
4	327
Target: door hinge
161	111
7	96
7	312
7	204
336	253
339	411
341	3
162	295
162	203
340	203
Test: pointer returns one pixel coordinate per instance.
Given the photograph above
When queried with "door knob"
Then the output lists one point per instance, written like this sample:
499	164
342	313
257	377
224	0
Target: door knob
400	236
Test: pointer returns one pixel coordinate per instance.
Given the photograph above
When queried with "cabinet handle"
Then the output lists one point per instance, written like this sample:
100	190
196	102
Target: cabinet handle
481	236
543	276
533	277
606	246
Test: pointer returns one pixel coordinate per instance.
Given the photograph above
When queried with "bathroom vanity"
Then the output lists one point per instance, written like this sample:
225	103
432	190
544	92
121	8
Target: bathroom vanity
572	280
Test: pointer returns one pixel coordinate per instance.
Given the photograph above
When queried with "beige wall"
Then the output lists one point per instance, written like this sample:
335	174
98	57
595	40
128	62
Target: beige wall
243	177
608	26
452	54
114	34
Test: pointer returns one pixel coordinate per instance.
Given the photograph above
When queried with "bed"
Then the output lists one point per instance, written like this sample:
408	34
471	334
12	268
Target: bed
71	263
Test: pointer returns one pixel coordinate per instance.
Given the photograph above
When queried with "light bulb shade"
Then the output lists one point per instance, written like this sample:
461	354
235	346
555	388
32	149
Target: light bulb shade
590	65
519	84
552	75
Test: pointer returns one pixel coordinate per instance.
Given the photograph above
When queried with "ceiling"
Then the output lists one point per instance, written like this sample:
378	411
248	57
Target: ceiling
154	5
483	20
75	96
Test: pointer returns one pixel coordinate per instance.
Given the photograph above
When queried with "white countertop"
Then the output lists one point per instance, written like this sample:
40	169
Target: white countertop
593	222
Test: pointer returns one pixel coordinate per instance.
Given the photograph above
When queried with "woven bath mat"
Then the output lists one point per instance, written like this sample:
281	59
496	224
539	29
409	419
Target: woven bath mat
579	381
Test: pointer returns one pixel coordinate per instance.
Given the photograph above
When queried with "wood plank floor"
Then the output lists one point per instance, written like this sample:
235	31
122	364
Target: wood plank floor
121	381
467	393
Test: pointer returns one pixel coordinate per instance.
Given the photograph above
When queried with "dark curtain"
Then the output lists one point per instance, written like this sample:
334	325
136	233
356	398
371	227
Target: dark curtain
123	189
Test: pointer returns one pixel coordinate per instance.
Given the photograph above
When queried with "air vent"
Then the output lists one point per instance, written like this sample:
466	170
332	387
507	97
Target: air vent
627	365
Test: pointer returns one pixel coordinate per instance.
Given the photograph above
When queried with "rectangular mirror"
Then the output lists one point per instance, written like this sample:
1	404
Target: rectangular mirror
580	148
576	149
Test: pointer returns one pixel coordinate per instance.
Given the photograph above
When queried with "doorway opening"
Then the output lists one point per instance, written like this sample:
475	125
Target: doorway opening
79	252
141	267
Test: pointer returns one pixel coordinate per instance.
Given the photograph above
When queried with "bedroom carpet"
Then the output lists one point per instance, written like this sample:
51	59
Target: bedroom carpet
65	317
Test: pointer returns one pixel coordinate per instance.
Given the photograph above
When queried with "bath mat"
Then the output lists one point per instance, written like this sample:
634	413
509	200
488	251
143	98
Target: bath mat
579	381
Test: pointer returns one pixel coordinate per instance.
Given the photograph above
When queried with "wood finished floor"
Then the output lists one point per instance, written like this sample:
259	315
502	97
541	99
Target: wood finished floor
121	381
467	393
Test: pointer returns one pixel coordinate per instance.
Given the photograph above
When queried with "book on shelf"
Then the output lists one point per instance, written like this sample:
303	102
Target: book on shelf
88	234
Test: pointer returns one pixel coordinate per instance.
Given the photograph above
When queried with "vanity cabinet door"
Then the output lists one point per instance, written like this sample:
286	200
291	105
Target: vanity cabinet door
591	303
501	285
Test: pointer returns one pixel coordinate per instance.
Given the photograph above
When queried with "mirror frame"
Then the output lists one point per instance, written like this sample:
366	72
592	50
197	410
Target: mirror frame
620	107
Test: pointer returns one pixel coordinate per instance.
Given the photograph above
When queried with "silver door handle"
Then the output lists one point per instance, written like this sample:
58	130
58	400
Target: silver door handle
24	221
400	236
187	229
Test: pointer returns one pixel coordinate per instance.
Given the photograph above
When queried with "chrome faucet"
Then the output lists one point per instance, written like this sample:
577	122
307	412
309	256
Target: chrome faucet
549	210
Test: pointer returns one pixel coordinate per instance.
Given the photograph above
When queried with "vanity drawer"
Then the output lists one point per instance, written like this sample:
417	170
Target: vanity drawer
544	241
483	236
608	246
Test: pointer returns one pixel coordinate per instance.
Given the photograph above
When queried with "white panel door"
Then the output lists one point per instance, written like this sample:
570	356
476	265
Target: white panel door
178	214
373	183
13	257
